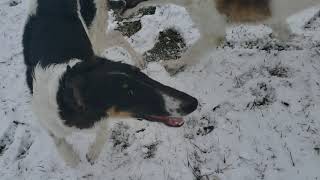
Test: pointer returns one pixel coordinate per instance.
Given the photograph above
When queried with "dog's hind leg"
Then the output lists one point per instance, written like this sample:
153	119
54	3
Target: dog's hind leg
115	38
97	146
212	27
193	55
66	151
102	40
97	28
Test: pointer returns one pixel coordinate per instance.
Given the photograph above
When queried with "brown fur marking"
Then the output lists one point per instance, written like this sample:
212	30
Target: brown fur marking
244	10
113	112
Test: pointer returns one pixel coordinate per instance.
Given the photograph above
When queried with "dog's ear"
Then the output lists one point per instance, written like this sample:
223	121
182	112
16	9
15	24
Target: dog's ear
72	85
78	99
68	68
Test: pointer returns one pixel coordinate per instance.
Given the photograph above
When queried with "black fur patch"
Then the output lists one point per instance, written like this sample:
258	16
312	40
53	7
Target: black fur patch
54	35
70	102
88	11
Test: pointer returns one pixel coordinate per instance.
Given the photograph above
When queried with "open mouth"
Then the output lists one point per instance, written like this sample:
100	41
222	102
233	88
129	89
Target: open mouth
169	121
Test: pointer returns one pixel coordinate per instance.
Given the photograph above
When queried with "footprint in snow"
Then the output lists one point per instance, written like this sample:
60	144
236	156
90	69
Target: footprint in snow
7	138
25	144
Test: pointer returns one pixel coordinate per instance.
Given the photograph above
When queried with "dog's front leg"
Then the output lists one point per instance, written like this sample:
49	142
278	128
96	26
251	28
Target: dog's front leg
66	151
96	147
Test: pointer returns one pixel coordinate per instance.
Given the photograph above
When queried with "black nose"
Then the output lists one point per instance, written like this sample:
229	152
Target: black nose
189	106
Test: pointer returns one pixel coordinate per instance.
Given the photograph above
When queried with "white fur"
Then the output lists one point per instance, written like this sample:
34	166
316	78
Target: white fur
45	107
44	102
102	40
171	105
32	9
212	25
66	151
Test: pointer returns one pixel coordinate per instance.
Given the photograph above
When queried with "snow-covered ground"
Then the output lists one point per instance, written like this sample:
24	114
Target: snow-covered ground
259	116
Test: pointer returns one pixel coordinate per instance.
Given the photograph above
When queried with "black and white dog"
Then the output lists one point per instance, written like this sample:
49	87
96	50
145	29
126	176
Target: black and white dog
73	89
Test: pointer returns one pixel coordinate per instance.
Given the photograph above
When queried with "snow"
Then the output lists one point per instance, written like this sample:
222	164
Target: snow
258	116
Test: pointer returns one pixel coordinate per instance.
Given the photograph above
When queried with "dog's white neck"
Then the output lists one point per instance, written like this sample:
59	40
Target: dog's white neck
45	88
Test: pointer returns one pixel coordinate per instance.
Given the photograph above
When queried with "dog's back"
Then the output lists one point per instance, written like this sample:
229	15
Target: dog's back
244	10
260	10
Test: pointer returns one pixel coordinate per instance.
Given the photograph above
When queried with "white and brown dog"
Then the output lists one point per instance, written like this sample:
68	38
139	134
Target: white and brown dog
213	16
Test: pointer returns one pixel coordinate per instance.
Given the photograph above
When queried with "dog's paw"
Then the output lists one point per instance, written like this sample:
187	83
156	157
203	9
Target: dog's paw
70	157
93	154
72	160
91	157
7	138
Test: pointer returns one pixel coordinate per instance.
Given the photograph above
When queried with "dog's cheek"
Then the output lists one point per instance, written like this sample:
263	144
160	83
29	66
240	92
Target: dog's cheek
113	112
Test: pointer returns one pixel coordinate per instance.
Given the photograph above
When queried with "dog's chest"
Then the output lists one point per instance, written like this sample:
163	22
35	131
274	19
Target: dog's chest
44	102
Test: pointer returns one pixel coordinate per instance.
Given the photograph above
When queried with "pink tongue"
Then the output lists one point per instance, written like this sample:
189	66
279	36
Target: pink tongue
170	121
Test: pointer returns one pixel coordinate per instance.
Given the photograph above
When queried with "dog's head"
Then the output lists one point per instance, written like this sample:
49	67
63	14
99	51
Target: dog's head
113	89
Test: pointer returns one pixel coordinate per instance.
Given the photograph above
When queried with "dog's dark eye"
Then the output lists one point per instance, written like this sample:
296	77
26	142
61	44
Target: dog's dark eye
130	92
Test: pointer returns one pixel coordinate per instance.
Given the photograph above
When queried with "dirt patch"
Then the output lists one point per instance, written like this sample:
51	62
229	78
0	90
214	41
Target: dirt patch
120	137
170	45
149	151
132	24
264	95
278	71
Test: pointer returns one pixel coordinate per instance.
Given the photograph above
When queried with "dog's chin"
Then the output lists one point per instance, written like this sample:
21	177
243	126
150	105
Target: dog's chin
167	120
